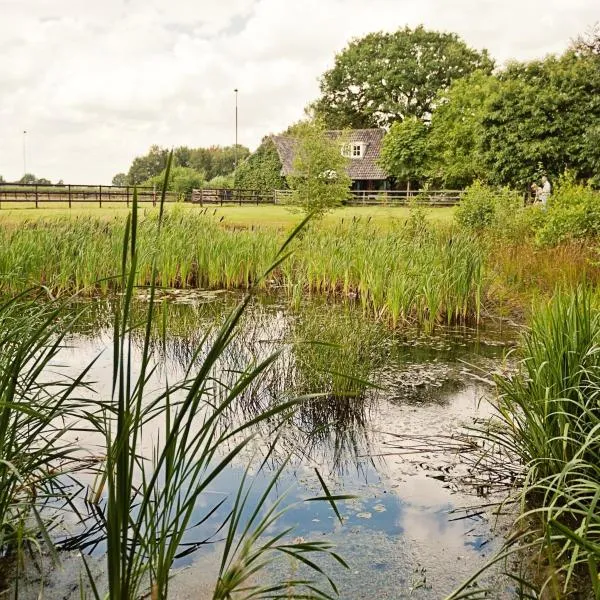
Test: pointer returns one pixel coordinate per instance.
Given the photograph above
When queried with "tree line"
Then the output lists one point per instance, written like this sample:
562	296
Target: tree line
191	167
30	179
453	117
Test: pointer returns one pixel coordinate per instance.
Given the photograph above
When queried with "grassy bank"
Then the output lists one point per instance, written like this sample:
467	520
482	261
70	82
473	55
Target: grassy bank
270	216
406	270
401	272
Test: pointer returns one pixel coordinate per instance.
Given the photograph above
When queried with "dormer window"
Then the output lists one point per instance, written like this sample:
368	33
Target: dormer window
353	150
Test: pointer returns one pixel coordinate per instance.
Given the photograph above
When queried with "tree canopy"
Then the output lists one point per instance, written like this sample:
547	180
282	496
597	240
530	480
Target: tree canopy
544	115
210	162
181	180
404	154
319	180
387	77
529	119
261	170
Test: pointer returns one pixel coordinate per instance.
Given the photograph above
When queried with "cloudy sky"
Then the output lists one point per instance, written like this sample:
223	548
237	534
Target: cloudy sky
96	83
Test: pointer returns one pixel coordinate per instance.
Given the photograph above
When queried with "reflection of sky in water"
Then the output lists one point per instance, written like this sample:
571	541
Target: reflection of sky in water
401	525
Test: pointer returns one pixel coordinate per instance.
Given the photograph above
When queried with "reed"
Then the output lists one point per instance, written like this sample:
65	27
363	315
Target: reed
398	274
35	409
550	421
150	503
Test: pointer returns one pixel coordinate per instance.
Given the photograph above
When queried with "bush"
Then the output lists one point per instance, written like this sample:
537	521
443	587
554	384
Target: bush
221	182
573	214
484	207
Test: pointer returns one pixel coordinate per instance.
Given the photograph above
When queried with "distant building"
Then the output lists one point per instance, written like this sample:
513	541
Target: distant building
361	146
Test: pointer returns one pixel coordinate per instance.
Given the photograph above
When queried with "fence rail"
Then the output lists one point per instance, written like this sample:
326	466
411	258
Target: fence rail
357	197
69	194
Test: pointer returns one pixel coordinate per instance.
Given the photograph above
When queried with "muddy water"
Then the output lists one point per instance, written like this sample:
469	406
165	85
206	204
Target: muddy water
390	435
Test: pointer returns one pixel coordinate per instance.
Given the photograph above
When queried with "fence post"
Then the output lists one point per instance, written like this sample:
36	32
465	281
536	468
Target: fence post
69	187
127	195
201	197
100	195
36	195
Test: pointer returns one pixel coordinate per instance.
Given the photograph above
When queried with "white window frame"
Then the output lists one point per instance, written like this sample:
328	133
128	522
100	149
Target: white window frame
353	150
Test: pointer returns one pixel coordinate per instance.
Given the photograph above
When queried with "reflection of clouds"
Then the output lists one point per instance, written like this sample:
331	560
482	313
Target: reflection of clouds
352	440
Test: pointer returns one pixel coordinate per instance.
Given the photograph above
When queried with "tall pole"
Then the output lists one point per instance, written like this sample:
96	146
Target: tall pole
235	154
24	152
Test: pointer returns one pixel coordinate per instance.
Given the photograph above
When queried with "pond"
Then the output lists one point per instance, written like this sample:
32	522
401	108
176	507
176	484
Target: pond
383	418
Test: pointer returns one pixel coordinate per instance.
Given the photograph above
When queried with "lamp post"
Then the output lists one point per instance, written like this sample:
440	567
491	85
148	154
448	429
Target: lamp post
24	152
235	150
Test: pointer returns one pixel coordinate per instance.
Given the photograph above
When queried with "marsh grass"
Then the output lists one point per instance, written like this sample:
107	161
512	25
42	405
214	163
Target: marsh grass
399	274
150	503
550	421
35	409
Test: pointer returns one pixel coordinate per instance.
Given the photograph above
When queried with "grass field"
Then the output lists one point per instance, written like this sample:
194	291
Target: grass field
236	216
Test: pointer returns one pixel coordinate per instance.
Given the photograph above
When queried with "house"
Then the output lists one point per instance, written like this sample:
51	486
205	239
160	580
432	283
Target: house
361	146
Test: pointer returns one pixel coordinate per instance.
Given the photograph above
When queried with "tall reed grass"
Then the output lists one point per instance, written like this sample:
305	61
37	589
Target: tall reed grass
399	274
550	421
149	497
35	408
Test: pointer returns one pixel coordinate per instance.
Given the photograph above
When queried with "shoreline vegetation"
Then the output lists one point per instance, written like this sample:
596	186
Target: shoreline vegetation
497	259
416	269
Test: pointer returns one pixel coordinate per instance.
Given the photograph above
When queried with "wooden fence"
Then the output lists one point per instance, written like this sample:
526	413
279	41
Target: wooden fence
69	194
98	194
357	197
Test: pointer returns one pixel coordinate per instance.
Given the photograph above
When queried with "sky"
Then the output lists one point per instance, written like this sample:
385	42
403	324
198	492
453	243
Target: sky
95	83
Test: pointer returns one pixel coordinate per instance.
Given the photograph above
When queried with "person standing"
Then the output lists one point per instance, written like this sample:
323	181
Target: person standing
545	192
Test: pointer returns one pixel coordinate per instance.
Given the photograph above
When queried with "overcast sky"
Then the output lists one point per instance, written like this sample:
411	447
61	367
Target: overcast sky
95	83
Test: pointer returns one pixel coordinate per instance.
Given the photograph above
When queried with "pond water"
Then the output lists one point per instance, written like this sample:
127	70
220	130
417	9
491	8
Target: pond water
390	434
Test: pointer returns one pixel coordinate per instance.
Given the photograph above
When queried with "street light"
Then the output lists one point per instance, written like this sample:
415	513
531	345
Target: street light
24	152
235	150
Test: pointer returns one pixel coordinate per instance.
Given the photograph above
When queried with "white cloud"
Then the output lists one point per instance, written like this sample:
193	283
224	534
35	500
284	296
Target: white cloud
95	84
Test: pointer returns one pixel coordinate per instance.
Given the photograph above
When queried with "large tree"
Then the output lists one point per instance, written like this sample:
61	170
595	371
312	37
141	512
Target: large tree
456	133
405	152
147	166
386	77
544	116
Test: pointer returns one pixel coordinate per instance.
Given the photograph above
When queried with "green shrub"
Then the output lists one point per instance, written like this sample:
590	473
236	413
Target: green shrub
484	207
573	214
224	182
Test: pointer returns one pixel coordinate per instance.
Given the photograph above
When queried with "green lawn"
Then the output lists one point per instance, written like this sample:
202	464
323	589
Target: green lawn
236	216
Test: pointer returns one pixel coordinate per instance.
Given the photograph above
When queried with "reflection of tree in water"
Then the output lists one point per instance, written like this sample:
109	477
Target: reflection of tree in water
327	356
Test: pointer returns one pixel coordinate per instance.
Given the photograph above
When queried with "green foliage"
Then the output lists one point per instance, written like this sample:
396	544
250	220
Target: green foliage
120	179
181	180
550	410
387	77
319	179
30	178
261	170
456	132
213	162
222	182
34	451
145	167
483	207
394	274
573	214
405	152
542	112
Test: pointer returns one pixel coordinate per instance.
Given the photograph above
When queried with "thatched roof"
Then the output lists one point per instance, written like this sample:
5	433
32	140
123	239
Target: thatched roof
358	168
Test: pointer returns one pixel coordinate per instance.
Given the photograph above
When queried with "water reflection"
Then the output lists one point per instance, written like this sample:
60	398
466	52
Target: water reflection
364	388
